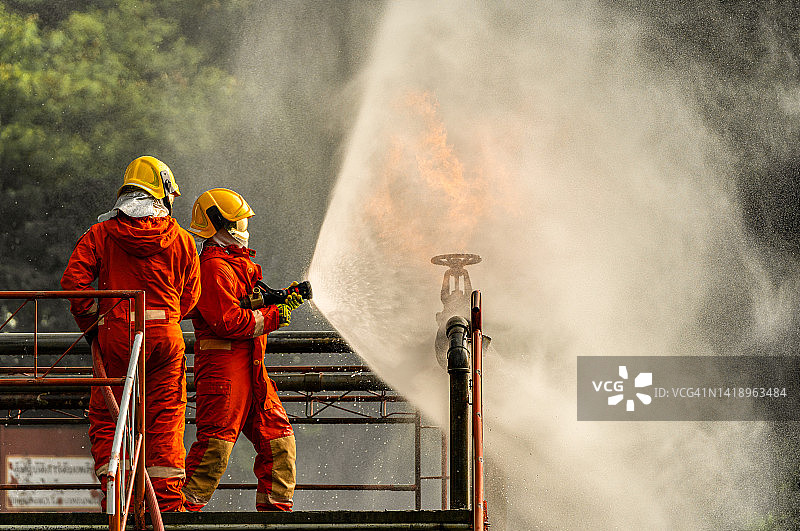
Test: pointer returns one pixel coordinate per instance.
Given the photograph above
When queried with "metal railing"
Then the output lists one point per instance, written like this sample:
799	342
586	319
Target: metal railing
315	392
126	467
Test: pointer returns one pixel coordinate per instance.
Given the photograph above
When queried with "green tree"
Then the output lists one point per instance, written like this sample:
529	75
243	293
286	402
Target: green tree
78	101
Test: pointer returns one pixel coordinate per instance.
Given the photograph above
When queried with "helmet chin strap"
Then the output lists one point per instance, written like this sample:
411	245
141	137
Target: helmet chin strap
169	189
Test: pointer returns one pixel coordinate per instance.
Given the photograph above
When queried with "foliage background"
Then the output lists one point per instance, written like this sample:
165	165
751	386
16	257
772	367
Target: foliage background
87	86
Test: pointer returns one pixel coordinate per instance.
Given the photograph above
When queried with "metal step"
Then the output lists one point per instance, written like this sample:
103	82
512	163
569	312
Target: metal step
248	521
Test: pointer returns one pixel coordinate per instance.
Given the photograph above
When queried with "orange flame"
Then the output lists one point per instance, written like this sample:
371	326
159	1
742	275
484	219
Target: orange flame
424	202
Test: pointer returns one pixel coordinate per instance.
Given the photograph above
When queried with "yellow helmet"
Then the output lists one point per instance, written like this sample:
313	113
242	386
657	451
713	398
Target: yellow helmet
219	208
152	176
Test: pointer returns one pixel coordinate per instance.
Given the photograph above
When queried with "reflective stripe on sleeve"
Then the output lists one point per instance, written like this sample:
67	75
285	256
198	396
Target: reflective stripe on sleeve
152	315
149	315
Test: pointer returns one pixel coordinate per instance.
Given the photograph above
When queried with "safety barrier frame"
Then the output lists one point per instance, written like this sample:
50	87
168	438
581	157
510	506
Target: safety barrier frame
129	438
290	342
321	388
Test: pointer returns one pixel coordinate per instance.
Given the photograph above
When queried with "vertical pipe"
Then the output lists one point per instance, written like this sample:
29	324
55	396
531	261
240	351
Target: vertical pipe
458	368
477	410
444	470
139	480
418	460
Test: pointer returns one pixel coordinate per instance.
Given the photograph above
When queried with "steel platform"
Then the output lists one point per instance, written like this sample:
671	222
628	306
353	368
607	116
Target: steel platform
248	521
329	365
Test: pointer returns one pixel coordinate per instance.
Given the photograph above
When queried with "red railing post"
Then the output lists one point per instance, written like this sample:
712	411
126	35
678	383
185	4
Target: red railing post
478	503
115	518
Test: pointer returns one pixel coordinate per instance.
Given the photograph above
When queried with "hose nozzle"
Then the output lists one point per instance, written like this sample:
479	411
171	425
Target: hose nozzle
263	295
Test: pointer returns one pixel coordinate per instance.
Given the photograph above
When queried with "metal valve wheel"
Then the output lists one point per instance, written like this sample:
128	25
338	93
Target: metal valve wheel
456	260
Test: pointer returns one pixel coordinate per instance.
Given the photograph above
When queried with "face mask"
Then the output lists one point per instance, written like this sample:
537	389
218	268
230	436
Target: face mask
224	238
239	232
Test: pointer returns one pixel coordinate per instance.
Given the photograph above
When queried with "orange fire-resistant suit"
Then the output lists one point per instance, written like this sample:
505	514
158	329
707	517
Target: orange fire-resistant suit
234	393
156	255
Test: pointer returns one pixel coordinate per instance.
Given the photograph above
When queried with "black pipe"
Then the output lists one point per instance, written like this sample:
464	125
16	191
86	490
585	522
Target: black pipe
45	400
55	343
315	381
458	369
308	382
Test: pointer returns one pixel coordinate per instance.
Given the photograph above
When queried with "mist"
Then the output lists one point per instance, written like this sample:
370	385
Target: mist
278	140
608	212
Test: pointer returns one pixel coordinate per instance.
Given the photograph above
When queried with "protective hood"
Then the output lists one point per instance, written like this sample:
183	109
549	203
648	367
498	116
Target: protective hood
136	204
143	236
199	242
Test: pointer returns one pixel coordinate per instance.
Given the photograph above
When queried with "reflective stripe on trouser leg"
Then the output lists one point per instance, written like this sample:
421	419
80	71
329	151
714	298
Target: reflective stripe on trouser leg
277	494
206	476
165	472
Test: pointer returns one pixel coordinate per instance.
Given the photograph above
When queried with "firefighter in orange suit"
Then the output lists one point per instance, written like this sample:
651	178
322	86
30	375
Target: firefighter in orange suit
139	246
234	393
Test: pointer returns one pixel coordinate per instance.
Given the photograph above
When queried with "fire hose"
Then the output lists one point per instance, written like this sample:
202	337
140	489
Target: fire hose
113	409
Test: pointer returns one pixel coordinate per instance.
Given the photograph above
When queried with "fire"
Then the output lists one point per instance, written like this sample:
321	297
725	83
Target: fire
424	197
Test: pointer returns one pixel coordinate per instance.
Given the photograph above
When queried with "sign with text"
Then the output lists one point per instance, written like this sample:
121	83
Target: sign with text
36	470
